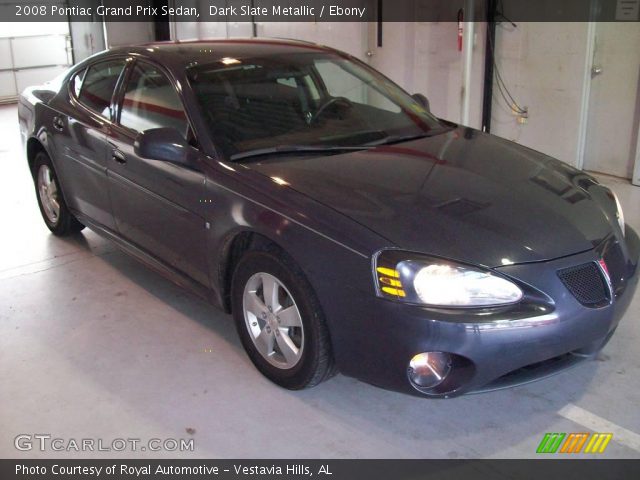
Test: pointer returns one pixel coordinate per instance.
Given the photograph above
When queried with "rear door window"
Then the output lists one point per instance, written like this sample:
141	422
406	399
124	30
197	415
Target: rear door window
98	86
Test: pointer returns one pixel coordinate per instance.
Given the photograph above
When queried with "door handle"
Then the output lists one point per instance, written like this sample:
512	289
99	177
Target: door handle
118	156
58	124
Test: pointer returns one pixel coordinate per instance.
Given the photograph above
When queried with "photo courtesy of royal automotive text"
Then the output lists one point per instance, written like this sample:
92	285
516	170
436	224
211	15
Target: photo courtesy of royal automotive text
333	239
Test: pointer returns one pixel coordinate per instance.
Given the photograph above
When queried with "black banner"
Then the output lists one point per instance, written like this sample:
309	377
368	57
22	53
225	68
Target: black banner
323	469
319	10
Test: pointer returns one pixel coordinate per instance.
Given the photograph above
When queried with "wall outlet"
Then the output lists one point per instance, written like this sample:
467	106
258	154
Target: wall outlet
521	114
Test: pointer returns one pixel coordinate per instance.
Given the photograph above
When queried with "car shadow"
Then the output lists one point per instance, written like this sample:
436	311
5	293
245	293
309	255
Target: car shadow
162	288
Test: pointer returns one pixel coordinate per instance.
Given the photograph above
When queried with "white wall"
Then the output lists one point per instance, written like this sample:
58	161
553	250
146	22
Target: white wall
209	30
347	36
543	65
87	39
350	37
438	69
129	33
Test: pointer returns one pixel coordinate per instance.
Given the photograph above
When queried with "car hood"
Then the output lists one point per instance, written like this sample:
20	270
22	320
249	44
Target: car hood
462	194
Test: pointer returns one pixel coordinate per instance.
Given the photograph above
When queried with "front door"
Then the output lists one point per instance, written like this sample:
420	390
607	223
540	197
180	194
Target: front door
158	206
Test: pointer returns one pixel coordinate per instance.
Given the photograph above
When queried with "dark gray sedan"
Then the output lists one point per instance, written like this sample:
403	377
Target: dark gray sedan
344	226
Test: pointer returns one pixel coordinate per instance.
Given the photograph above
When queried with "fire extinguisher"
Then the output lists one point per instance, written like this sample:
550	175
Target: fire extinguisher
460	28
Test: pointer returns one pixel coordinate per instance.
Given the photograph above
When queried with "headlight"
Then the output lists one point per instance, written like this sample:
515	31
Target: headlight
619	214
415	278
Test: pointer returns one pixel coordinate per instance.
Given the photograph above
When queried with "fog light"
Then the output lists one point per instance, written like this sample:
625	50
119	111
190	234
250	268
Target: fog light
429	369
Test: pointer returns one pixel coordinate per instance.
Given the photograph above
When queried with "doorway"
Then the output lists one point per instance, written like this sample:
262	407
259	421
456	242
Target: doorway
611	139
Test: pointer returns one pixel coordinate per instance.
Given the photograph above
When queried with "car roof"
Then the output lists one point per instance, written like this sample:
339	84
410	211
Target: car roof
181	54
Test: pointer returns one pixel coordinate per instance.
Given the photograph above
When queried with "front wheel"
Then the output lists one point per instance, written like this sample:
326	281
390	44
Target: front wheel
279	321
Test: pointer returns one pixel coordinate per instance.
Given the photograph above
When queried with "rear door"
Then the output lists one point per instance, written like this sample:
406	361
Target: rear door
158	206
80	140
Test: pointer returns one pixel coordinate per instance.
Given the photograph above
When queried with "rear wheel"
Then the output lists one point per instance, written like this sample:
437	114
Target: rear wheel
53	208
279	321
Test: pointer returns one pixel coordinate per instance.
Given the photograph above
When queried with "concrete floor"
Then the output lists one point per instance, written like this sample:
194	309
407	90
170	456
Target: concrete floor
95	345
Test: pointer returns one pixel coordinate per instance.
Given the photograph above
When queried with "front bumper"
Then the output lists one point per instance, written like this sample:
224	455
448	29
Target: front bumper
494	348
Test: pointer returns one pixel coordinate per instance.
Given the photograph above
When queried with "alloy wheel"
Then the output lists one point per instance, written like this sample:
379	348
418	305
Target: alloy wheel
48	192
273	320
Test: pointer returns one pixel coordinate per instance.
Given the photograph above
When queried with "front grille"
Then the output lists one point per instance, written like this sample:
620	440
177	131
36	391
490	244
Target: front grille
586	283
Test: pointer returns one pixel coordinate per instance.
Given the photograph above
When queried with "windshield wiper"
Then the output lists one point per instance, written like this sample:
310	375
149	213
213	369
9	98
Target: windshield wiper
283	149
398	139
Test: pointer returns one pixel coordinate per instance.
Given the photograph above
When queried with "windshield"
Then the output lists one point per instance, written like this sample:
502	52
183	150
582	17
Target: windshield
304	99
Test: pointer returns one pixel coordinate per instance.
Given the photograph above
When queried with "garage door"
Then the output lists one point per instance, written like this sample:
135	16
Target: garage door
30	56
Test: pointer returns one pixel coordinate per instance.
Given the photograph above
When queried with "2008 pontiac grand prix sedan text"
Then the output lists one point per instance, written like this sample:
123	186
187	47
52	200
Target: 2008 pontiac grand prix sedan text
344	226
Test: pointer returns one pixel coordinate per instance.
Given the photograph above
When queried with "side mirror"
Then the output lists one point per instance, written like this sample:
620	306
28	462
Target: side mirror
422	100
166	144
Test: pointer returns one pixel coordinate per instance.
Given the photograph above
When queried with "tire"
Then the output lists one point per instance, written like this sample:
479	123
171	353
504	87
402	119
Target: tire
54	210
273	324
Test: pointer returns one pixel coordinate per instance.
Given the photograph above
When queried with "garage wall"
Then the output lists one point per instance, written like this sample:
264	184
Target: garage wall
129	33
438	69
350	37
543	64
87	38
208	30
